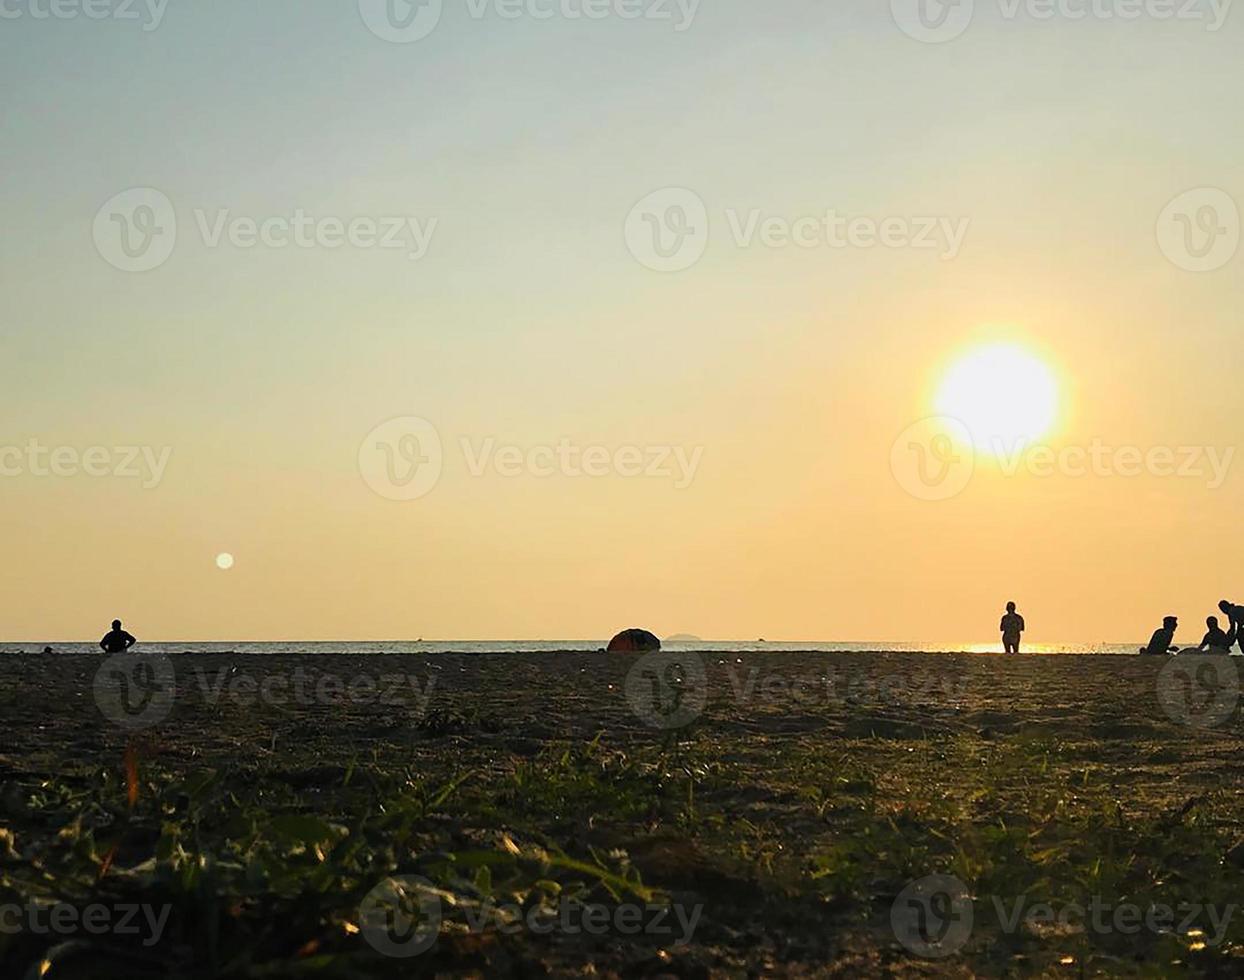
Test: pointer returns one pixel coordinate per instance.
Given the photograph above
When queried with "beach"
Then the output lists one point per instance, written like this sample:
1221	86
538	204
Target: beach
782	804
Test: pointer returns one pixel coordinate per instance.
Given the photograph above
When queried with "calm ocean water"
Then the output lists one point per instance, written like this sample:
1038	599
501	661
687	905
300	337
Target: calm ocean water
545	646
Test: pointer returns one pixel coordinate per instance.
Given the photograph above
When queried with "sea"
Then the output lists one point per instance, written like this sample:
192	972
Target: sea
478	647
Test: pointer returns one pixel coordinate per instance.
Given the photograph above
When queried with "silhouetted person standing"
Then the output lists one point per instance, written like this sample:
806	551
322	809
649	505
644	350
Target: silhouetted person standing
1163	639
1217	641
117	640
1012	627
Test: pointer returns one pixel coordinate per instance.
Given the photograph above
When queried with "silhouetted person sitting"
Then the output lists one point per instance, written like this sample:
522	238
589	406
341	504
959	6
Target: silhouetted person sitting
1162	641
117	640
1216	640
1235	620
1012	627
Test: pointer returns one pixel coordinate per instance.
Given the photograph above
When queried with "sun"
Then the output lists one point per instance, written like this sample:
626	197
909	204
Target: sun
1004	397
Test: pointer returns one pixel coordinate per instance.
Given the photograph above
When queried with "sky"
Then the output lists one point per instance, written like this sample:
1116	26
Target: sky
668	289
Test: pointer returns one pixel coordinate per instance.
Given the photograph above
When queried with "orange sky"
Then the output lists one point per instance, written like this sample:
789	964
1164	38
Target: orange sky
779	366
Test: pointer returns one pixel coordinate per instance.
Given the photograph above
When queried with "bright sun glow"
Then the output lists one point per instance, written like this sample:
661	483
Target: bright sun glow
224	561
1002	394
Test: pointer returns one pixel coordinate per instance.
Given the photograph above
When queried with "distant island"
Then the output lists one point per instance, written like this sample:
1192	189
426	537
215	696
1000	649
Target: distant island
683	638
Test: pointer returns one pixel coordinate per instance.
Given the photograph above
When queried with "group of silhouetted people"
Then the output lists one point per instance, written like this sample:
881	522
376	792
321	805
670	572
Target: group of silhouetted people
1217	640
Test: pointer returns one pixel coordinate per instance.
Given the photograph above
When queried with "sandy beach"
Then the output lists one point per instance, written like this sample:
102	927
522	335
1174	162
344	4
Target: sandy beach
518	702
792	809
